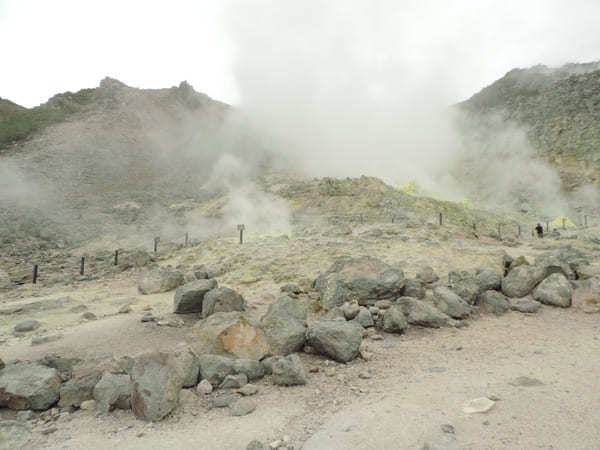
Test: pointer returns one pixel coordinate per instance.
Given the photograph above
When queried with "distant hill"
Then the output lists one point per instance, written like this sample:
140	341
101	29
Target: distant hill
8	109
559	109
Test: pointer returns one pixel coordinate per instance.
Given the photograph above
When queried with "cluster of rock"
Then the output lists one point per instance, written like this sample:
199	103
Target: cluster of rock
226	349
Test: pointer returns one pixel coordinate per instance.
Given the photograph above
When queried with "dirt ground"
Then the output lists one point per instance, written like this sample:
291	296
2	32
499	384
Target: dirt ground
414	384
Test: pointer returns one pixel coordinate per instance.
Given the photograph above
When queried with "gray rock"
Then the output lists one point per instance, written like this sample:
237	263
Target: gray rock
251	368
450	303
28	325
488	280
215	368
363	279
156	383
521	280
63	365
550	263
222	299
189	365
27	385
223	401
394	320
465	285
204	388
414	288
77	390
190	297
267	364
427	275
286	306
125	309
234	381
285	334
89	316
337	339
350	310
256	445
156	281
229	334
493	302
555	291
112	391
288	370
525	305
243	407
248	389
422	314
364	318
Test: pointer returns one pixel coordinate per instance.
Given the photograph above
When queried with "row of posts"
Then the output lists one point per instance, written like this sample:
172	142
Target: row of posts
240	227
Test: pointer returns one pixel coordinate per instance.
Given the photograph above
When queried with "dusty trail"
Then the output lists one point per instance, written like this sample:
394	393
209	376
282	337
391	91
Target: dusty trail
419	382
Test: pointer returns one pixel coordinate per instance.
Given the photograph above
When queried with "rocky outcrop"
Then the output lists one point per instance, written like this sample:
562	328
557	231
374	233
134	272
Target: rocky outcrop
363	280
493	302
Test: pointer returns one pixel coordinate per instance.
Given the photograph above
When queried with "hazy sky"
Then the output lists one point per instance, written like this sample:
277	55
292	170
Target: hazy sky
48	47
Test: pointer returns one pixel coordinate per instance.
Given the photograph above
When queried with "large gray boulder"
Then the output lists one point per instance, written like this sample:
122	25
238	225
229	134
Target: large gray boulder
465	285
521	280
555	291
77	390
550	263
229	334
394	320
156	281
188	364
113	391
214	368
488	280
285	334
284	325
365	280
338	339
222	299
156	384
28	385
493	302
286	306
451	304
287	370
421	313
427	275
189	298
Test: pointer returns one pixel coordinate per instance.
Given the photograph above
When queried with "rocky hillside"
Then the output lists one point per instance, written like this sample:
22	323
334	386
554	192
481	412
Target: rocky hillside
559	110
8	108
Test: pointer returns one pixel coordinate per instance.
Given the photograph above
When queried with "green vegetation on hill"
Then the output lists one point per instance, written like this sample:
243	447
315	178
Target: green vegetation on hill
21	124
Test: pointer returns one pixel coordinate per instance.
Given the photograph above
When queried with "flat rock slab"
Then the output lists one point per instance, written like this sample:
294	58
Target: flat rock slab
478	405
28	325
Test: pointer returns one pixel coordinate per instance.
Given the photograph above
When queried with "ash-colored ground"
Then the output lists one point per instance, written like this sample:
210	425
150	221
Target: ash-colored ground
414	384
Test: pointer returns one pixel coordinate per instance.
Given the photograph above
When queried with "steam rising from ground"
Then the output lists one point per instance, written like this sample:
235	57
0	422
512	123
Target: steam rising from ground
352	88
